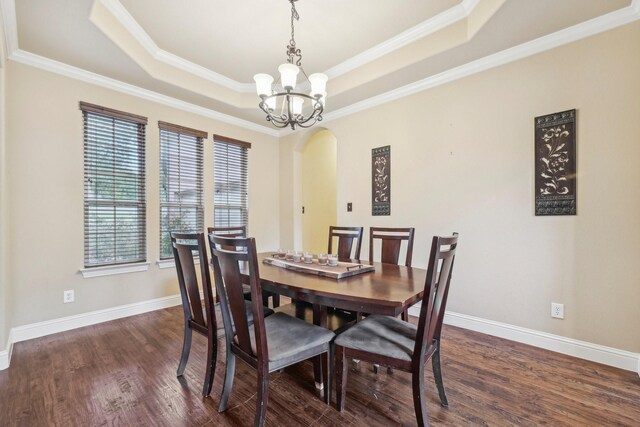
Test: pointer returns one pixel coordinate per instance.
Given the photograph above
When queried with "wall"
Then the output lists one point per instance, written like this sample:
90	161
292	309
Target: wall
45	151
318	190
462	160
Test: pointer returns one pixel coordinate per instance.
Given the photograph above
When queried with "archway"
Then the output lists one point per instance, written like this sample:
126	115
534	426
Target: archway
318	189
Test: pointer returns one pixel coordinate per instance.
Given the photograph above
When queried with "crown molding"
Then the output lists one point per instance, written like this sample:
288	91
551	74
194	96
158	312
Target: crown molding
588	28
417	32
109	83
436	23
131	25
568	35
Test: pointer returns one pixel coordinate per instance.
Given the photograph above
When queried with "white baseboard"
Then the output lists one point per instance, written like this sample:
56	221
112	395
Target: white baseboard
581	349
40	329
5	355
35	330
584	350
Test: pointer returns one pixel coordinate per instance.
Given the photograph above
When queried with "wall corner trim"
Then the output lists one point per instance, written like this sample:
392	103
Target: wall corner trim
5	355
581	349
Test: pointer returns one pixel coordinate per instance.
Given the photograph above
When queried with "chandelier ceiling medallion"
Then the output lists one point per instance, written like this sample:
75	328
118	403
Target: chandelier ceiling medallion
285	97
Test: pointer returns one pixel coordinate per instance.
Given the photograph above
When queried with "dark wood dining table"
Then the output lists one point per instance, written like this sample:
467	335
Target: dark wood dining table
389	290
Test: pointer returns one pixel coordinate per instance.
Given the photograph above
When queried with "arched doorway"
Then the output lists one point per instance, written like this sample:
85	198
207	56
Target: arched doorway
318	190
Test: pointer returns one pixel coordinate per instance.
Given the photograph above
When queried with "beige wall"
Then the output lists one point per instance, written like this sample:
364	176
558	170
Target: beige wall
462	160
318	190
45	155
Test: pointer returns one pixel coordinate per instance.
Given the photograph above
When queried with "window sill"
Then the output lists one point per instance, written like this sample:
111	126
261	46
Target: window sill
114	269
170	263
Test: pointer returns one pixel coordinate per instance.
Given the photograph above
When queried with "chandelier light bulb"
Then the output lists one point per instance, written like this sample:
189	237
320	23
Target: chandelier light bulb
263	84
296	105
288	75
318	84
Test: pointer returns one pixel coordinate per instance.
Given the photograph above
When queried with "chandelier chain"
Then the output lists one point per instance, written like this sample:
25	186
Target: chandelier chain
292	51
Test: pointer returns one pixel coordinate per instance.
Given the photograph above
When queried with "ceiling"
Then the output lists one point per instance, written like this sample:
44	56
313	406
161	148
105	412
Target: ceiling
203	53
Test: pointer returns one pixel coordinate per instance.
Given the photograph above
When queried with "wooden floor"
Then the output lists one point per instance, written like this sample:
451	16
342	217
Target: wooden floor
122	373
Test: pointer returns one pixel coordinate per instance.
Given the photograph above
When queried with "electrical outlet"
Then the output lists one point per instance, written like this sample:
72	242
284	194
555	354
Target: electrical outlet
69	296
557	310
349	207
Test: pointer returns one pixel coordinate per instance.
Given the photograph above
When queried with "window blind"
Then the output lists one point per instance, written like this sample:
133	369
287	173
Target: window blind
181	182
114	187
231	189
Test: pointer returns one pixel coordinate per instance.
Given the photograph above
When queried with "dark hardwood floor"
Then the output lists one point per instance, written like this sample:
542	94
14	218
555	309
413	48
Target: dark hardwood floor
122	373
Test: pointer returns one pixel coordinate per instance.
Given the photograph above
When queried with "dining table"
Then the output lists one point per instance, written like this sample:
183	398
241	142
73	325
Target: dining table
387	290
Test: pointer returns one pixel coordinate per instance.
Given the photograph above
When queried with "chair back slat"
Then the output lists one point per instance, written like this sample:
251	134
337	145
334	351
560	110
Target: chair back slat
239	231
185	247
346	236
228	267
436	290
391	243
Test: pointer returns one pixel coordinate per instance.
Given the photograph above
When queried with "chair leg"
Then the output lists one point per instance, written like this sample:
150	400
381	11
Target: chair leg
212	357
419	404
186	349
228	380
341	377
262	398
329	375
437	375
317	371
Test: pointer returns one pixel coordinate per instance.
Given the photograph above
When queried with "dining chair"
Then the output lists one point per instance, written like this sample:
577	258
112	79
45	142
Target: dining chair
187	249
271	343
391	243
392	342
241	231
346	237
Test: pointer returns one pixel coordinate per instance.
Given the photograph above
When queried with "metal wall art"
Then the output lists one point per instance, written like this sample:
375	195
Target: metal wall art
555	163
381	181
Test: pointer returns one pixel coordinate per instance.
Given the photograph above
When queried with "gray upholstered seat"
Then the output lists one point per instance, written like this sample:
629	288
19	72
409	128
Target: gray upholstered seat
383	335
270	343
397	344
289	337
247	306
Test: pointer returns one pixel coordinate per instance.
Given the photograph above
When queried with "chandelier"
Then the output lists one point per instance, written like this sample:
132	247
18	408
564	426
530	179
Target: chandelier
284	102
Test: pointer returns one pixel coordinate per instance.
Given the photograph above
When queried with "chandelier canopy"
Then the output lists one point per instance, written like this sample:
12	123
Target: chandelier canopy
283	102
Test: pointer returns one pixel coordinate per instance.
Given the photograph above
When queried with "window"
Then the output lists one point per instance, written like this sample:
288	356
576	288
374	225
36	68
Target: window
181	195
115	219
231	199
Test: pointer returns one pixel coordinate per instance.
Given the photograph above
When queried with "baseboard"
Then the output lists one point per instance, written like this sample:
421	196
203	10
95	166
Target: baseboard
40	329
584	350
35	330
581	349
5	355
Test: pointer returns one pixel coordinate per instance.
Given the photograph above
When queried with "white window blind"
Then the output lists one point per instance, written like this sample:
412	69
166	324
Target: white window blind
114	187
231	197
181	194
